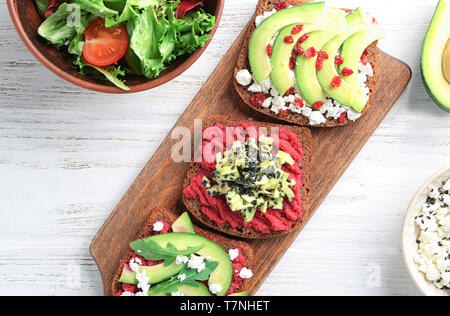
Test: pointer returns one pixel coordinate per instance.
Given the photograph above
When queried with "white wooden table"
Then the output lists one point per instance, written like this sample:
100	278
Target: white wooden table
68	155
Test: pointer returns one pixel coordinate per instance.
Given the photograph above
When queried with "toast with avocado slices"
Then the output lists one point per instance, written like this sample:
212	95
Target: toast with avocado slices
257	185
173	257
308	63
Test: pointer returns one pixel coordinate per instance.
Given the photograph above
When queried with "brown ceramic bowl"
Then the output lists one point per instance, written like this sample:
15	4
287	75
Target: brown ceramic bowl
27	20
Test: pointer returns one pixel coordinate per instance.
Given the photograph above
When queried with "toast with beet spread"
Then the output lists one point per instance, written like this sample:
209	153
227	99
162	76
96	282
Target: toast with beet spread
260	199
163	228
300	83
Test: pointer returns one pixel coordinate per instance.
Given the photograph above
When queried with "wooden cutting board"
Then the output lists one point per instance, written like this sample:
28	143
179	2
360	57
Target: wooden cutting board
160	183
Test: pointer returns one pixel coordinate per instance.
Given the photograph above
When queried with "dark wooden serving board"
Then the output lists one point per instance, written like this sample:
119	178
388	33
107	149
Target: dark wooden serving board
160	183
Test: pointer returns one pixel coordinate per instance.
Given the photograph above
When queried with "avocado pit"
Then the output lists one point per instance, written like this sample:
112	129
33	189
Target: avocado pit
446	61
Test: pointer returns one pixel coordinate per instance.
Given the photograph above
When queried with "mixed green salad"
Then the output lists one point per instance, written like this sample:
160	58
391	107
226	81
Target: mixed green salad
110	39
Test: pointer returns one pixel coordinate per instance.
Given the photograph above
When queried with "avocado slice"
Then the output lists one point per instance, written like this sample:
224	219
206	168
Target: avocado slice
183	224
263	34
436	56
199	290
281	53
305	70
157	273
354	47
223	274
345	94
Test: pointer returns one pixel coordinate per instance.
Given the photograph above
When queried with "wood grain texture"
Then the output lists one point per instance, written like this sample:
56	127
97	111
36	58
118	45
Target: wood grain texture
160	182
68	155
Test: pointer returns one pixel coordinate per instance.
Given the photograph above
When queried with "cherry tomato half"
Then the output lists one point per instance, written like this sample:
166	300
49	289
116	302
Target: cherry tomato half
104	46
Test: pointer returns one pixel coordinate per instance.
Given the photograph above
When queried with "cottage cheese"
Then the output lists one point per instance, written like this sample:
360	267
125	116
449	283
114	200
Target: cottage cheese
182	277
215	288
244	77
181	259
134	264
196	262
331	109
433	245
246	273
233	253
158	226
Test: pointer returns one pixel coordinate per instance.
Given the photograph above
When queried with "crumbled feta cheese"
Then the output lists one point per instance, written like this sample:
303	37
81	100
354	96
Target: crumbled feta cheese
134	264
196	262
182	277
267	102
215	288
233	253
143	281
177	294
158	226
181	259
246	273
352	115
244	77
260	18
142	293
317	118
255	88
126	293
278	103
433	250
266	84
307	111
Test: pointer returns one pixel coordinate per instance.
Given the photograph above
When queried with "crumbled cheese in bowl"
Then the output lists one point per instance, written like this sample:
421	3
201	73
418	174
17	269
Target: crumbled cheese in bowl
433	244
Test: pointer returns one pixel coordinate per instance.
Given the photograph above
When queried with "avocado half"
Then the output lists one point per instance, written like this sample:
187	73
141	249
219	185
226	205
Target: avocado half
436	56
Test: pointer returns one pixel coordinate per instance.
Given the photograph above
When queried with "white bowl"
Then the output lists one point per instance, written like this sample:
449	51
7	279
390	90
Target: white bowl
411	232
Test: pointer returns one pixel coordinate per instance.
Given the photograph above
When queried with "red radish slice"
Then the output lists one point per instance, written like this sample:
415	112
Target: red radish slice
186	6
52	6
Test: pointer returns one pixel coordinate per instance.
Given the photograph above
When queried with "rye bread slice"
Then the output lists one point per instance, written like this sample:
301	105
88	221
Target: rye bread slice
170	217
291	117
194	206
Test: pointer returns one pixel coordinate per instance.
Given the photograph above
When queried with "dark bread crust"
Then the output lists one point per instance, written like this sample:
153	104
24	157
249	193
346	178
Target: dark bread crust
194	206
295	118
170	217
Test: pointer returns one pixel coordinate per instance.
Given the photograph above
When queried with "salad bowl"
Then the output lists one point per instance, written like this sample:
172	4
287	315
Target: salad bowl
27	20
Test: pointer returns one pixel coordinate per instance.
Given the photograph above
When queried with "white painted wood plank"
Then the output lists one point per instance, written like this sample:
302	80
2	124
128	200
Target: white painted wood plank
68	155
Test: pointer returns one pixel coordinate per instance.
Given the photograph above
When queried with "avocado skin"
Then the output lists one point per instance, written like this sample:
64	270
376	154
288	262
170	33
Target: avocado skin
427	52
435	100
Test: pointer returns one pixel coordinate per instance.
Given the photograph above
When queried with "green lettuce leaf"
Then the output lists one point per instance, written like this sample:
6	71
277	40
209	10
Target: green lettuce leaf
191	276
150	250
96	7
56	28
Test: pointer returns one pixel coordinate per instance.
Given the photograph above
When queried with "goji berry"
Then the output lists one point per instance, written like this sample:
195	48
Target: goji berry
269	50
289	39
281	6
319	64
323	55
303	38
310	52
336	83
342	117
317	105
346	72
339	60
297	29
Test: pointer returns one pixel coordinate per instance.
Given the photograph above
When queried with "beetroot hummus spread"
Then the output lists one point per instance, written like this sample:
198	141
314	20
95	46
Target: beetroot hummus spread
216	208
